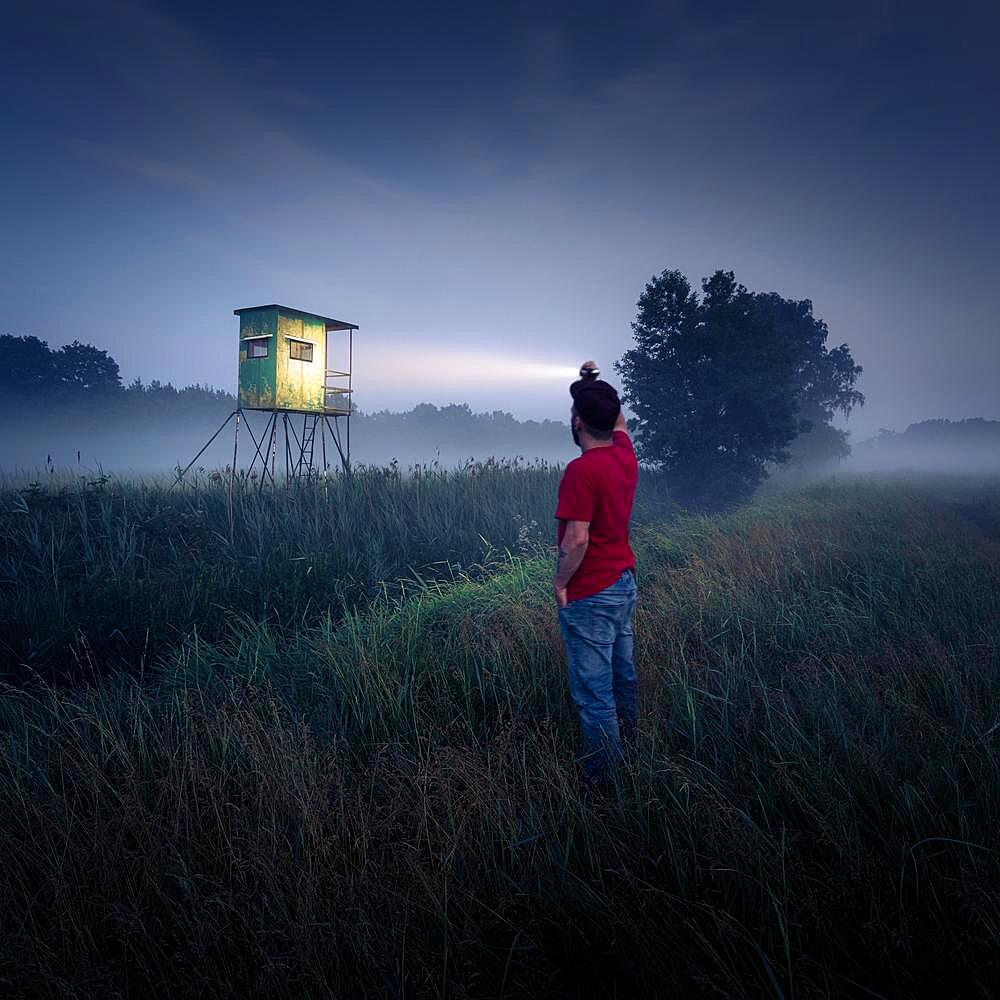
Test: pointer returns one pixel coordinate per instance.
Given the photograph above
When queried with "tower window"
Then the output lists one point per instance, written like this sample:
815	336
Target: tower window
256	347
300	351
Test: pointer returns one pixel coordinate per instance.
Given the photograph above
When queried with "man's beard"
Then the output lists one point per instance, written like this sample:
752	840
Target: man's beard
576	436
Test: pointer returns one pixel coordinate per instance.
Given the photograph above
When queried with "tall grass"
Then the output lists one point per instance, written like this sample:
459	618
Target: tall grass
385	803
113	569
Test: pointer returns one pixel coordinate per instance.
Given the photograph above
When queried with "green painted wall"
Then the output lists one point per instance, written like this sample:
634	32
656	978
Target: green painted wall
257	379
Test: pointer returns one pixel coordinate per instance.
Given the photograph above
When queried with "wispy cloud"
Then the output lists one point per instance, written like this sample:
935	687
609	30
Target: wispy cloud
158	171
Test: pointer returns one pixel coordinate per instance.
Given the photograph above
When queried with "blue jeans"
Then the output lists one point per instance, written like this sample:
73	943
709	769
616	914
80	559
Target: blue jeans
597	632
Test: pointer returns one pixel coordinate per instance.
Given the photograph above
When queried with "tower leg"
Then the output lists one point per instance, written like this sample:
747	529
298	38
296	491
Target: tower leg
288	447
273	448
335	437
259	452
236	447
204	448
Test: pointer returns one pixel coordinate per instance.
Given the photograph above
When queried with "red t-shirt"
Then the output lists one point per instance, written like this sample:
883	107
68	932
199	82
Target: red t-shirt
599	487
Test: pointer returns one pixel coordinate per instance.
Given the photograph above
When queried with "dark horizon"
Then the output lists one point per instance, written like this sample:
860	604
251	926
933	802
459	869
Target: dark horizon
478	188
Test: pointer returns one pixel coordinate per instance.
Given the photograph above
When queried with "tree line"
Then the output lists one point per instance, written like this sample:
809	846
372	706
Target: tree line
85	414
723	386
78	373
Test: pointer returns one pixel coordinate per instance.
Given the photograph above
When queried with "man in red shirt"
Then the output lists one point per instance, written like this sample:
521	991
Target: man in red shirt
595	578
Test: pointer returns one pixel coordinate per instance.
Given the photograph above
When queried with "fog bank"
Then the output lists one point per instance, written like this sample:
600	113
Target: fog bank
123	440
959	446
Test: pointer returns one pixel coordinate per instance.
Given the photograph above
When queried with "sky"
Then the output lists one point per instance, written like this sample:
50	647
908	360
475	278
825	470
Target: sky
486	188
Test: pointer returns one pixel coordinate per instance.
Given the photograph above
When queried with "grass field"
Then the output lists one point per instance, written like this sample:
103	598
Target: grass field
108	571
303	789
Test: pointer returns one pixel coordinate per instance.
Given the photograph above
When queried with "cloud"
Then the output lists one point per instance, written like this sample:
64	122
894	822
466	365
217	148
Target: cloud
158	171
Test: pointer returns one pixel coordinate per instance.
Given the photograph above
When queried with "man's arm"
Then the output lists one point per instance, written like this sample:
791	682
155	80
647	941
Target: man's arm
621	425
572	549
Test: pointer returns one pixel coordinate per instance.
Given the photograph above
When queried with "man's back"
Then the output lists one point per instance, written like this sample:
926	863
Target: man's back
599	488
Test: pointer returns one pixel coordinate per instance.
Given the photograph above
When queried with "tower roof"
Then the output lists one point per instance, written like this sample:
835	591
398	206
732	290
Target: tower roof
331	324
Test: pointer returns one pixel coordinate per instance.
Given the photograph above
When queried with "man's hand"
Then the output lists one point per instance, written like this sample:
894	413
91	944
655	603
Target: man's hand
561	599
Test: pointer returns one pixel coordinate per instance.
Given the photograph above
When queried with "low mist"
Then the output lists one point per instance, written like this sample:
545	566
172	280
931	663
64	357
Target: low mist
962	446
89	441
155	429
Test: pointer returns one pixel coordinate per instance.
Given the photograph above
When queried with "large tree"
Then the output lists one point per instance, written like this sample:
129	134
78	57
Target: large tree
722	383
85	369
28	367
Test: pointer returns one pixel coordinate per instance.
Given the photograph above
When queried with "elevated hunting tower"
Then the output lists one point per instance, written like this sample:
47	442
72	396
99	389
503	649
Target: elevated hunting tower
283	361
287	370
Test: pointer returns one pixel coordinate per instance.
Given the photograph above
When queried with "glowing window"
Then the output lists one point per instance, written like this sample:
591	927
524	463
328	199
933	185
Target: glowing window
300	351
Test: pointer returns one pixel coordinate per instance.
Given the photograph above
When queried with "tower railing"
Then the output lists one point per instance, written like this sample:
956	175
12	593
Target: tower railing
340	393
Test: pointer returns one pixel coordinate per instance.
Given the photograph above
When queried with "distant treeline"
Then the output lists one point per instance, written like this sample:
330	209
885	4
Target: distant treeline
456	433
935	433
84	415
80	374
945	445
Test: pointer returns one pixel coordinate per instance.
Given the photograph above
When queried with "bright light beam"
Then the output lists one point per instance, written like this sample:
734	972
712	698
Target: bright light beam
465	368
451	369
